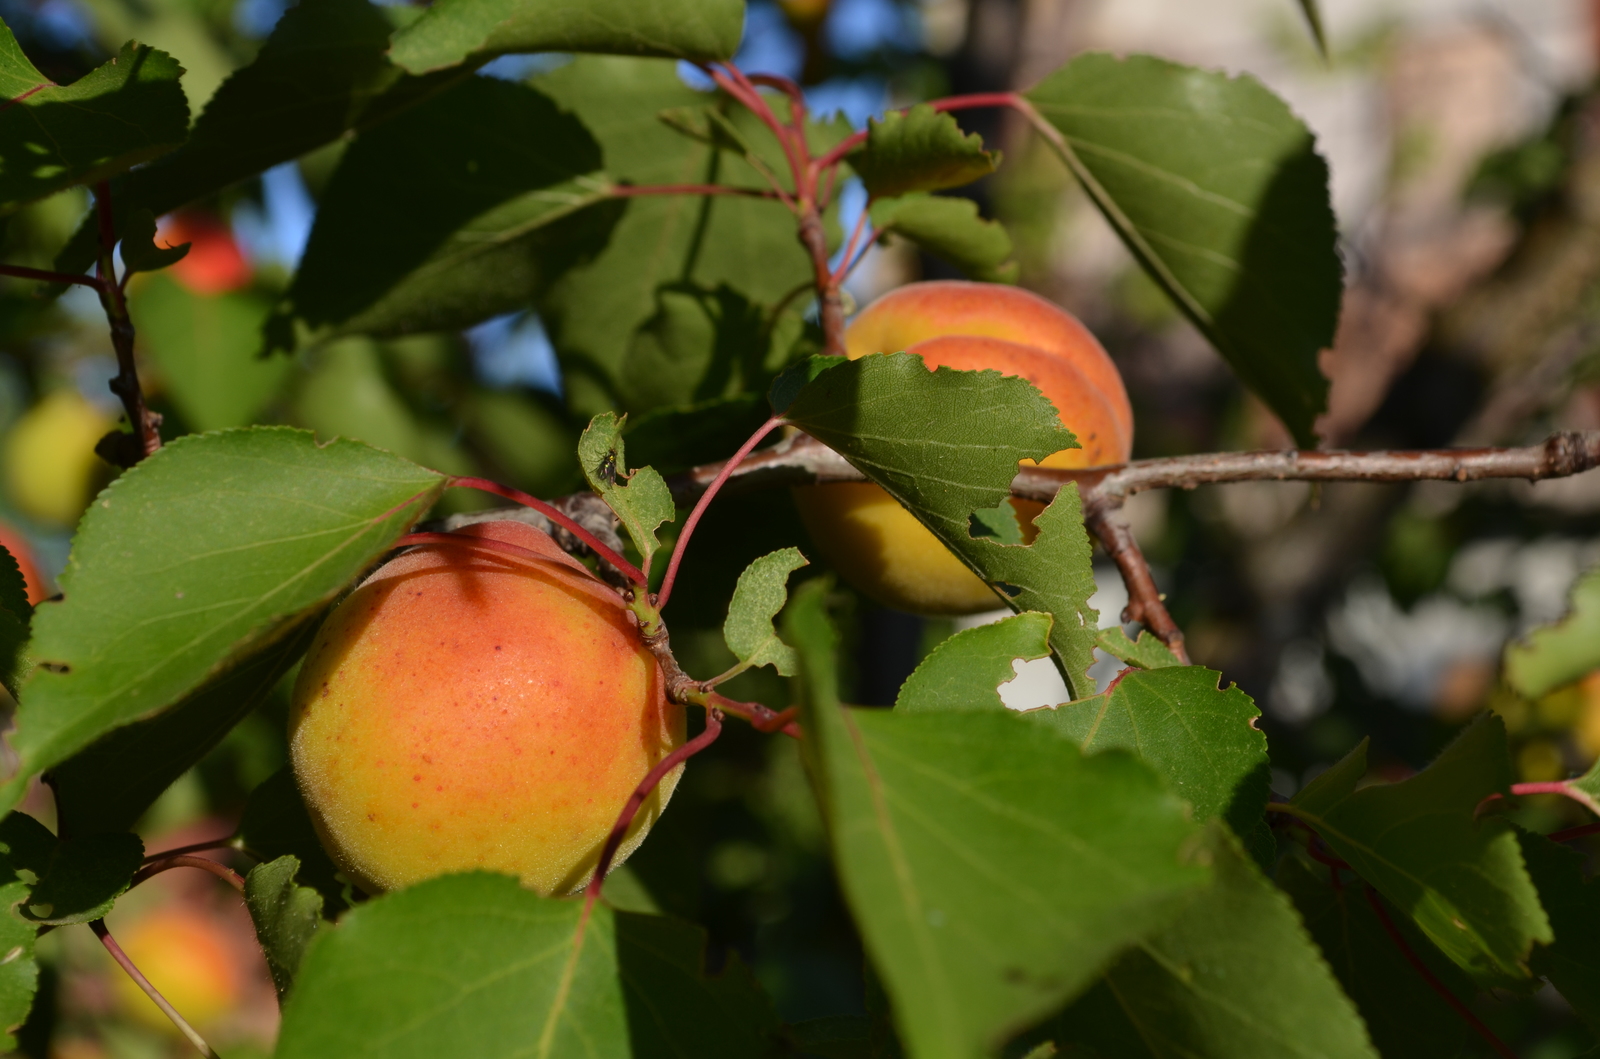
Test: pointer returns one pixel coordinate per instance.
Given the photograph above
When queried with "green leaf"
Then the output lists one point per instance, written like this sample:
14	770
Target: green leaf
454	31
747	244
1199	736
640	499
139	250
16	613
276	825
205	553
474	964
205	349
951	229
286	915
1572	961
447	215
108	785
919	149
1215	186
75	879
945	444
1145	653
835	1037
1233	977
757	598
991	867
20	837
676	438
125	112
322	73
965	672
1422	845
1313	14
1561	652
1402	1012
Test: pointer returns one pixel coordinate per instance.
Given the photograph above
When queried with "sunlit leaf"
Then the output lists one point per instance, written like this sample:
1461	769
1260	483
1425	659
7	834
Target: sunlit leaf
639	498
1561	652
950	228
965	672
757	598
919	149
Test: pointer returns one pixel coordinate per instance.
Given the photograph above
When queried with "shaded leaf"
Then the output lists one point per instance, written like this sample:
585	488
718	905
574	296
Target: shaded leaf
1402	1012
447	215
1215	186
286	916
453	31
20	837
230	539
639	498
951	229
1422	845
1572	960
991	867
124	112
1147	652
16	613
945	444
835	1037
75	879
474	964
139	250
276	825
919	149
676	438
757	598
965	672
1561	652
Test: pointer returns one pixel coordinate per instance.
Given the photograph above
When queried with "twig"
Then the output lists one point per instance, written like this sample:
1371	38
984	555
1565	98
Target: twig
100	931
1499	1047
760	717
1145	603
125	450
559	517
46	276
217	868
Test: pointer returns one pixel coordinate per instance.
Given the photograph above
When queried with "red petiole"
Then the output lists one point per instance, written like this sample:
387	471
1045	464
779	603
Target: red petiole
628	570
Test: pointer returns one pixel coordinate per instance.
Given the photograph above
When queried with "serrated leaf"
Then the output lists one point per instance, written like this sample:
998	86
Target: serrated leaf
1422	845
276	825
16	614
757	598
286	916
1147	652
1196	990
139	250
454	31
205	553
945	444
206	350
456	211
1217	189
920	149
20	837
640	499
322	73
108	785
951	229
77	879
476	965
965	672
1572	961
124	112
1199	736
1402	1012
1561	652
991	867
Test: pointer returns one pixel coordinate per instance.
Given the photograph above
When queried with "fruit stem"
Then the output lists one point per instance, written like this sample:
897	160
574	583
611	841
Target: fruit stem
628	570
124	450
110	943
700	507
167	863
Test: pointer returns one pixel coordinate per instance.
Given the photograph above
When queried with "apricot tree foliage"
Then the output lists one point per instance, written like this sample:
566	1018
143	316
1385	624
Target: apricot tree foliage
1112	875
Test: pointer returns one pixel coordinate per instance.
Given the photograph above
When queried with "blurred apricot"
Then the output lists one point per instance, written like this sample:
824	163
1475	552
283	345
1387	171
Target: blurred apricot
187	954
51	469
214	263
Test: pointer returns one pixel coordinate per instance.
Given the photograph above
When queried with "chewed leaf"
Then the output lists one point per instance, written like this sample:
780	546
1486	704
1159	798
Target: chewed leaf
966	671
639	498
139	250
919	149
757	598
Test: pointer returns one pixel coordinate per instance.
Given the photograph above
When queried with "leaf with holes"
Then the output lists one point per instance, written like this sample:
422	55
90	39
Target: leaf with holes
919	149
1423	845
1146	652
757	598
1561	652
286	916
1217	189
203	555
991	866
946	444
950	229
965	672
640	499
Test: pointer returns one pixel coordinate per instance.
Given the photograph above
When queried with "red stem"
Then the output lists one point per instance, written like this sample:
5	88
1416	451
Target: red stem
1570	833
195	847
628	570
700	508
221	871
635	190
619	830
760	718
1500	1048
23	272
845	264
736	84
110	943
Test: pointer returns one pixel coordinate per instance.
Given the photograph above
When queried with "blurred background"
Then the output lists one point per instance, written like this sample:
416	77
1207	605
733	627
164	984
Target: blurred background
1464	140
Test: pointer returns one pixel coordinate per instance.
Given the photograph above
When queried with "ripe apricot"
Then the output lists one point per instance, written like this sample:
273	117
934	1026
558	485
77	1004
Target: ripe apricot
866	535
468	709
188	956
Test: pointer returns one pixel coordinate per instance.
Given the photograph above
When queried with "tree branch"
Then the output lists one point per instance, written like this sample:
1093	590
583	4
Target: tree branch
124	450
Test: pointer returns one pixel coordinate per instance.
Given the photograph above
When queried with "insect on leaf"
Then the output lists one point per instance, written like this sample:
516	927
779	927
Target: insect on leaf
639	498
757	599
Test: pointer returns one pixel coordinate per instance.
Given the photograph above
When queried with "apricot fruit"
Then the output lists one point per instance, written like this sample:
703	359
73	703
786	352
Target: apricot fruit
865	534
188	956
50	465
469	709
214	263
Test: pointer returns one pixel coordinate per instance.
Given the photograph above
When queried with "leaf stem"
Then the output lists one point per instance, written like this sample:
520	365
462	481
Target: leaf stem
194	847
1498	1046
166	863
111	946
1570	833
125	450
46	276
700	506
566	521
634	190
760	717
